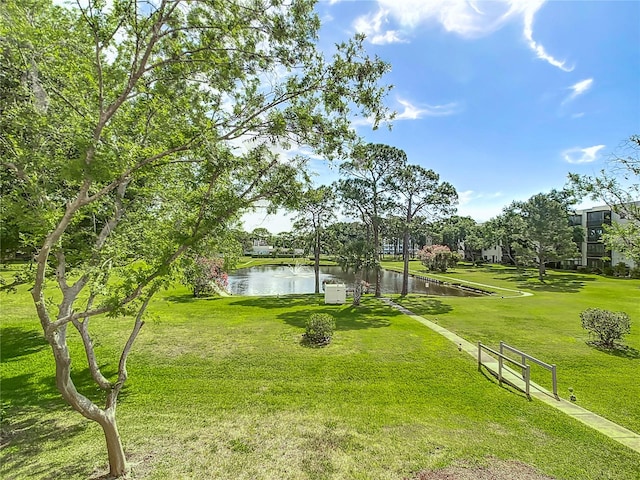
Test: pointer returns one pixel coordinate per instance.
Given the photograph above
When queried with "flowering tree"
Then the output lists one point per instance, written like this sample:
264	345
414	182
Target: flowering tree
438	257
206	276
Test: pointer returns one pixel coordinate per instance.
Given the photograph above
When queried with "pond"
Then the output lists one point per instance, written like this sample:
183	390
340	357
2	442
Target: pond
284	280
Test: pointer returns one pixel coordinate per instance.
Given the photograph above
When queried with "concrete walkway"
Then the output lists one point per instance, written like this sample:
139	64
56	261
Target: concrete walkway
604	426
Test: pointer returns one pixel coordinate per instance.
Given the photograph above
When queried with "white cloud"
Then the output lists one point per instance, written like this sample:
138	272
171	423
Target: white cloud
412	112
529	14
578	89
468	196
480	206
579	155
372	25
466	18
409	111
581	87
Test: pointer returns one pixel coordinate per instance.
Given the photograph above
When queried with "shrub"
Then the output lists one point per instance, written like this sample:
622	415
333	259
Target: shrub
635	272
621	270
438	257
206	275
606	325
319	329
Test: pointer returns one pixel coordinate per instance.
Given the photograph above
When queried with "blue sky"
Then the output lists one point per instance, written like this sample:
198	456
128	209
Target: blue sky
501	98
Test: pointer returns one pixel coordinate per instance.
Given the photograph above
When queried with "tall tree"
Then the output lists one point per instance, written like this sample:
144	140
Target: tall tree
619	187
545	234
454	230
116	128
392	231
315	212
339	234
358	256
502	230
419	191
367	186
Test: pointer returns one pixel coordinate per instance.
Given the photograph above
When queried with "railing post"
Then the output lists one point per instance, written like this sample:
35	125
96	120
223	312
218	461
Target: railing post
501	347
500	369
527	381
479	356
554	379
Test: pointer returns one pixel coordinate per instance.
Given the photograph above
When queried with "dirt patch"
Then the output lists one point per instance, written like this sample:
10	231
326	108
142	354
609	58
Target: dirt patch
494	470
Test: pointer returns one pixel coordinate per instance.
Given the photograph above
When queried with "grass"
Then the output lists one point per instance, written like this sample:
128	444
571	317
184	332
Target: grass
547	325
222	388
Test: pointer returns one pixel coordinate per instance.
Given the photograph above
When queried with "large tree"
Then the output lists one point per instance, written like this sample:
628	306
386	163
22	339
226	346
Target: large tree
366	189
544	233
501	231
418	190
619	187
134	131
452	231
315	213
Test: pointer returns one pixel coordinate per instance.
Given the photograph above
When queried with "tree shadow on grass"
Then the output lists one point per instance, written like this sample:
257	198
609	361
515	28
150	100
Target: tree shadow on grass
347	318
28	400
17	342
189	298
622	351
423	305
23	439
280	301
553	282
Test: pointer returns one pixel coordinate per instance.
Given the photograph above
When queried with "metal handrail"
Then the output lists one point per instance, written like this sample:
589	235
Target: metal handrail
526	369
524	357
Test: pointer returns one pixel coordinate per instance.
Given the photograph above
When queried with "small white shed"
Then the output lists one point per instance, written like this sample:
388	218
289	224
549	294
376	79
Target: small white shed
335	293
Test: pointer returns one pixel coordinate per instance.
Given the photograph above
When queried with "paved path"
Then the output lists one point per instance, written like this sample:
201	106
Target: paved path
604	426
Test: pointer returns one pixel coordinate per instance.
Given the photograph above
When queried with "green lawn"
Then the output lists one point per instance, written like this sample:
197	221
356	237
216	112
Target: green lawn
221	388
547	326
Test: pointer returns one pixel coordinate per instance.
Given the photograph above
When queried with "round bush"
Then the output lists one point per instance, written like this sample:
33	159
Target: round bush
319	328
607	326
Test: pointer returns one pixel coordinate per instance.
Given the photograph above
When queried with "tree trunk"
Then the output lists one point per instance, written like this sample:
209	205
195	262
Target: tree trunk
118	466
316	264
376	256
357	291
405	270
106	418
541	270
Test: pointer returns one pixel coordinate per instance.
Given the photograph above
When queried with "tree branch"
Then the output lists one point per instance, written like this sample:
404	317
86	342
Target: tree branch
96	374
122	365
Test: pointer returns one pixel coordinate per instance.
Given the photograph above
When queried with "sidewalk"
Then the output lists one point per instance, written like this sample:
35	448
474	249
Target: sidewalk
602	425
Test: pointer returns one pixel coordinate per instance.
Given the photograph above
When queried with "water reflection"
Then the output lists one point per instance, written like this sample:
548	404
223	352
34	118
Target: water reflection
284	280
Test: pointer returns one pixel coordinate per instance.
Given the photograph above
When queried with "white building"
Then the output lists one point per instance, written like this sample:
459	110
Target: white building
593	251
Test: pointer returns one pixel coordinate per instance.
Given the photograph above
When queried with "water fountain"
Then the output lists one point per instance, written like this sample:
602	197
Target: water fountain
298	268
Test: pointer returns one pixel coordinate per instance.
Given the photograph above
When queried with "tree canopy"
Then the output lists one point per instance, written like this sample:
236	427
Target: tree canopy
543	233
315	212
418	190
367	188
132	132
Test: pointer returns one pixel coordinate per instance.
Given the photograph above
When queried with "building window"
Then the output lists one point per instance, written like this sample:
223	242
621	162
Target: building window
595	250
599	218
594	234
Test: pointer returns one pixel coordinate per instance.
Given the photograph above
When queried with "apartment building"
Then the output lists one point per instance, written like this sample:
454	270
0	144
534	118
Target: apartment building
594	253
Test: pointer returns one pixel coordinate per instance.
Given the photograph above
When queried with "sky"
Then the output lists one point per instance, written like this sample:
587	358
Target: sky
501	98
